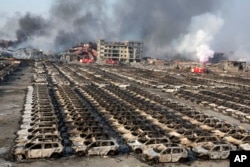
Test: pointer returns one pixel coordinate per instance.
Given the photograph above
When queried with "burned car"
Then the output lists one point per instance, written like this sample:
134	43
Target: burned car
165	153
38	150
96	147
214	151
143	143
241	140
200	140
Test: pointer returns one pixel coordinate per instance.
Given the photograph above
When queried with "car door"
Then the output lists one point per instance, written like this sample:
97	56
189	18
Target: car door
165	156
225	152
104	148
176	154
47	150
215	153
35	151
94	148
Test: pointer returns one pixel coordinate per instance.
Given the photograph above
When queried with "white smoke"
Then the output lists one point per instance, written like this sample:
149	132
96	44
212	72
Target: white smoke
201	33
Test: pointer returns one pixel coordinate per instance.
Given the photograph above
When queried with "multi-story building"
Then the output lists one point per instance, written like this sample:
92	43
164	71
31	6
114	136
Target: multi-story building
128	51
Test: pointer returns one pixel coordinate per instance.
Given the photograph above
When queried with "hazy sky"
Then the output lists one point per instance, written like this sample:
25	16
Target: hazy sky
10	8
23	6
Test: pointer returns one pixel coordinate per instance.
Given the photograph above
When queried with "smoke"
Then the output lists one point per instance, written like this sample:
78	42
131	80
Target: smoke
31	26
68	23
195	28
72	21
9	24
234	36
201	33
157	23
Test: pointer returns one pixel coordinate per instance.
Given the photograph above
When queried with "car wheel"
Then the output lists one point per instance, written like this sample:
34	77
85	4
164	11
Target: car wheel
111	153
154	161
182	160
205	157
80	153
55	155
138	151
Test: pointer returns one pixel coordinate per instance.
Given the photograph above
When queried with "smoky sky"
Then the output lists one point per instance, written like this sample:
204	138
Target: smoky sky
29	26
157	23
161	19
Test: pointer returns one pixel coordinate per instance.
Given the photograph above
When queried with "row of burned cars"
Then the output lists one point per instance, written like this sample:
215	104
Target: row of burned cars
56	122
86	110
7	68
39	134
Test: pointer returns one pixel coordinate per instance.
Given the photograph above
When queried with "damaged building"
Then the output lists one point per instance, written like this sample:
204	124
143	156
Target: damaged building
128	51
233	66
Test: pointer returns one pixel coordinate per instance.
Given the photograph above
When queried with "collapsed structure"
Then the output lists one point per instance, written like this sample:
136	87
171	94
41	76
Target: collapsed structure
233	66
105	52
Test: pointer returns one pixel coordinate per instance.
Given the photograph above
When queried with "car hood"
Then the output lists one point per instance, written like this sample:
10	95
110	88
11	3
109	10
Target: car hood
200	150
245	147
135	143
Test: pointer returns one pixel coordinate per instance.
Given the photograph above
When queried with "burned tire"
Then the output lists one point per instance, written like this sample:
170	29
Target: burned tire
55	155
182	160
111	153
205	157
80	153
138	151
153	161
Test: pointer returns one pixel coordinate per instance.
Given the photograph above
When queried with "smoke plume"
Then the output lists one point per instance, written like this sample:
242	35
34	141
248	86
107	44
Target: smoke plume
194	28
201	33
72	21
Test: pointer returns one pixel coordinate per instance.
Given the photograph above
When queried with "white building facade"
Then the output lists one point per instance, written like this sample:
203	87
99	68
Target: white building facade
127	51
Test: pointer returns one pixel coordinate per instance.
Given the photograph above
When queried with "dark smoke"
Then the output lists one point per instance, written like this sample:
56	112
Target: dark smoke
77	21
157	23
21	35
30	25
64	40
163	20
72	21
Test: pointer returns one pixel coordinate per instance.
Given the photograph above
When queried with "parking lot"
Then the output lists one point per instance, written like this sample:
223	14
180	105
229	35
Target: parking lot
68	112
